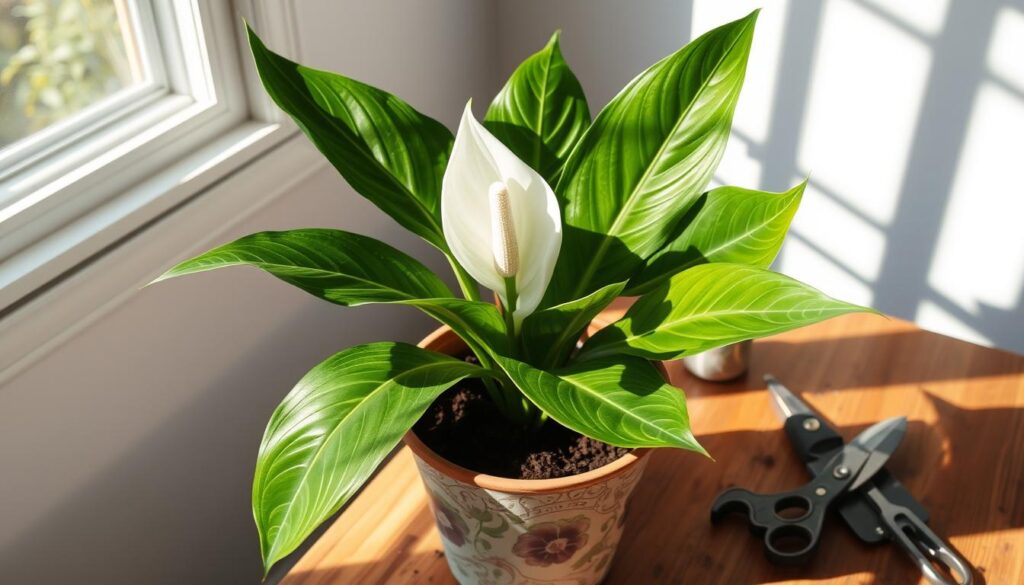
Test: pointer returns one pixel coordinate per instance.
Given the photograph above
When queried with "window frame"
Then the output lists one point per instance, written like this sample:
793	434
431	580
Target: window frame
69	263
80	198
33	149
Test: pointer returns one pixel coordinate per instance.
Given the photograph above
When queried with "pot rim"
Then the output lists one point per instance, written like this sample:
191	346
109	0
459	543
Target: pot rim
507	484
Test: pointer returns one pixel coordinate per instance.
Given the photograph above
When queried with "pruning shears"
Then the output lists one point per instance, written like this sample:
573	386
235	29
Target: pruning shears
850	478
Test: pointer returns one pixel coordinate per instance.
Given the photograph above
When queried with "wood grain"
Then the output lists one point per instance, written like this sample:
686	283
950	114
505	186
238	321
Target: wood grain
963	457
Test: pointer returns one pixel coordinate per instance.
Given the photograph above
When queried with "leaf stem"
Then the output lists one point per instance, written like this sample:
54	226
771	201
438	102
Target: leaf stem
466	282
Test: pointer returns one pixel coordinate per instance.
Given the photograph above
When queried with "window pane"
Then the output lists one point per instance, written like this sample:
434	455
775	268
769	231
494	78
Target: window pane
58	57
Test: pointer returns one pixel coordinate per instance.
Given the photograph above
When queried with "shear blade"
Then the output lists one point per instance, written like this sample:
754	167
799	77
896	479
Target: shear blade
880	440
785	403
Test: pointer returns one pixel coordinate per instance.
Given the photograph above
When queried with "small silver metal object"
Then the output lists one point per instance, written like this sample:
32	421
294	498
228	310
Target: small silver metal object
720	364
812	424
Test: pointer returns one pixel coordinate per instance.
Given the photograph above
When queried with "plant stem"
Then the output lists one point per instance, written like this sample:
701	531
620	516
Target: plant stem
502	391
466	282
519	407
512	296
494	391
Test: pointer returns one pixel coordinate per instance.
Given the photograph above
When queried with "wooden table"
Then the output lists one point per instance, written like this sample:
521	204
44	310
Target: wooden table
963	457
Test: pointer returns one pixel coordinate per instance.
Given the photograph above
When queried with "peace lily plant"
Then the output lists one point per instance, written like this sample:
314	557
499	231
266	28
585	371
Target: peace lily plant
557	215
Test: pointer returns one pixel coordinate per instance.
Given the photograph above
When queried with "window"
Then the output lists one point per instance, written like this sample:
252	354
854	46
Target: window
59	57
113	112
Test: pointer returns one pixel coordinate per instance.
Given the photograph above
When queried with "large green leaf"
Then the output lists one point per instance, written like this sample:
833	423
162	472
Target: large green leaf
349	269
728	224
621	400
550	335
646	158
541	112
334	428
387	151
341	267
709	306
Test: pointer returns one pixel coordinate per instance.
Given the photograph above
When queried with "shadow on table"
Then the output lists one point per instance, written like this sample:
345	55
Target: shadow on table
398	562
905	357
966	471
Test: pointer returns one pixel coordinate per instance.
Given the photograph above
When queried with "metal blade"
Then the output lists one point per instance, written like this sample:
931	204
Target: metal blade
785	402
880	440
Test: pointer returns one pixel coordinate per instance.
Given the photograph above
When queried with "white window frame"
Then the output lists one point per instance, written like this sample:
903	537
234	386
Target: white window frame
187	144
37	147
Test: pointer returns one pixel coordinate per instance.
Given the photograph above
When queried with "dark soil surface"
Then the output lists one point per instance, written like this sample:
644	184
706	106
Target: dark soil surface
465	427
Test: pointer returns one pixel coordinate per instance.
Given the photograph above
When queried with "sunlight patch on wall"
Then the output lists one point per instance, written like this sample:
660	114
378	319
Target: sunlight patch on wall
754	110
1006	50
863	107
982	238
934	318
850	240
803	263
738	166
924	17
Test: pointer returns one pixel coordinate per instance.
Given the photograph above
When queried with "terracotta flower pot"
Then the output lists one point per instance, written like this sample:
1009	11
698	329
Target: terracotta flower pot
504	531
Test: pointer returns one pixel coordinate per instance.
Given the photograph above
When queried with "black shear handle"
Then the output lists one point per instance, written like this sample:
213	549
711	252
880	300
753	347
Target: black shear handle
790	522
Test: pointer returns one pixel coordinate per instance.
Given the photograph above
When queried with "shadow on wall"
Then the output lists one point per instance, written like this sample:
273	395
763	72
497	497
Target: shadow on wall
959	54
877	228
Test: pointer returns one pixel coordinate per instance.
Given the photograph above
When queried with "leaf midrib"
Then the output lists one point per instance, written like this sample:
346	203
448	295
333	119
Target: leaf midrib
767	220
540	112
343	133
327	439
714	315
600	397
728	243
270	267
592	265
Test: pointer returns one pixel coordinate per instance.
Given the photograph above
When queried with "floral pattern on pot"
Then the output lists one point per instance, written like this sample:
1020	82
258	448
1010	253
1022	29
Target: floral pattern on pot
550	543
566	537
449	523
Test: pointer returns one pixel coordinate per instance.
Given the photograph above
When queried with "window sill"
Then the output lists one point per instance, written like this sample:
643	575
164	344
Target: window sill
56	287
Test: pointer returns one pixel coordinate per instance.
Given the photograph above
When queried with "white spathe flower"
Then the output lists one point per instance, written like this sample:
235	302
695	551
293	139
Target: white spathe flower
500	217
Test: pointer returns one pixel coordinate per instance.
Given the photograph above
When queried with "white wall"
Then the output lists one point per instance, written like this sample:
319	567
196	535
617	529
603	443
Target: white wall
907	116
128	452
607	42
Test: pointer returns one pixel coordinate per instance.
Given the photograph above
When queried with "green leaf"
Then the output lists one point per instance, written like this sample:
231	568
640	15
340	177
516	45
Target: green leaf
646	158
341	267
541	112
387	151
728	224
713	305
621	400
334	428
550	335
479	324
349	269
